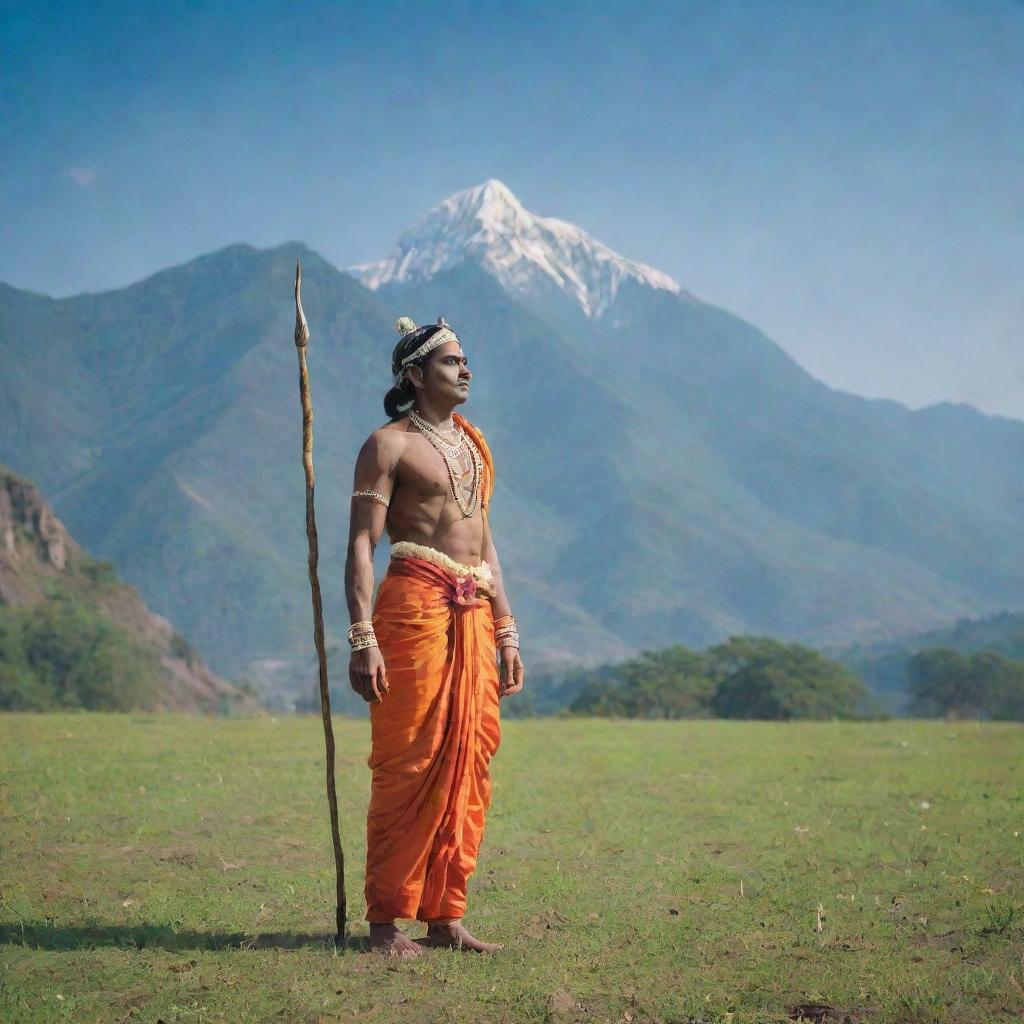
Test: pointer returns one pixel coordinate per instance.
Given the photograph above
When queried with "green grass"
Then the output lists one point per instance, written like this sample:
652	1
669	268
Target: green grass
162	867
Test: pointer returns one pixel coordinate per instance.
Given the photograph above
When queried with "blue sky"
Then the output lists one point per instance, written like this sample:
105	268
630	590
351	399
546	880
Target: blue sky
847	175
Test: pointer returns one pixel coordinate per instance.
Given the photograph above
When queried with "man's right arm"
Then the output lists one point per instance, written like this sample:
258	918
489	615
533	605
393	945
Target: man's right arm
376	470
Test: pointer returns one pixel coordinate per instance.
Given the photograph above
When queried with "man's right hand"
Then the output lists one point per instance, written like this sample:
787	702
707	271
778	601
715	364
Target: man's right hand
366	674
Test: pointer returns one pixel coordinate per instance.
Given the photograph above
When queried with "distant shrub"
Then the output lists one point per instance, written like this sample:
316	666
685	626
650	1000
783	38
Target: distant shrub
181	648
246	686
100	572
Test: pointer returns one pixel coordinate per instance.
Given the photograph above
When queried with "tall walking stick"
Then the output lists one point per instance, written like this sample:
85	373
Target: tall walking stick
301	341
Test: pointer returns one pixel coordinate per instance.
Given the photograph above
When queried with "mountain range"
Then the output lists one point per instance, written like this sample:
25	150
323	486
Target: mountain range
665	472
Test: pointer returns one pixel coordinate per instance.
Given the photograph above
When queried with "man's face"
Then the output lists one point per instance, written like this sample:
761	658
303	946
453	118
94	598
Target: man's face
446	375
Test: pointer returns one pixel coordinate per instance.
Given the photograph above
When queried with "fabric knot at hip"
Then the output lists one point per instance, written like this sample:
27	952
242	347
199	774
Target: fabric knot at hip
464	590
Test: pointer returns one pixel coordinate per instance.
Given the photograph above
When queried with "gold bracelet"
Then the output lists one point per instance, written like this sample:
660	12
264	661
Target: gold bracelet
361	634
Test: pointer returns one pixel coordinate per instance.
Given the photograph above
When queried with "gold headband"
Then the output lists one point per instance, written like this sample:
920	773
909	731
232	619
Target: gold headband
443	335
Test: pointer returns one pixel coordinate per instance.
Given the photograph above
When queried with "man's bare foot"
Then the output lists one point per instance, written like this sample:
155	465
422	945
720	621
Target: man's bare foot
391	941
453	935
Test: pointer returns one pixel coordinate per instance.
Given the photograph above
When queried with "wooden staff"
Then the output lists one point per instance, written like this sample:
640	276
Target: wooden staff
301	341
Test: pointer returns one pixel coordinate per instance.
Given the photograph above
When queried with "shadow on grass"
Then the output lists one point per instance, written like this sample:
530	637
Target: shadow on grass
43	935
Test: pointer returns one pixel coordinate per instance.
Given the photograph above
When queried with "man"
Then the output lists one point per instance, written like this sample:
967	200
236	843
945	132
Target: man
425	660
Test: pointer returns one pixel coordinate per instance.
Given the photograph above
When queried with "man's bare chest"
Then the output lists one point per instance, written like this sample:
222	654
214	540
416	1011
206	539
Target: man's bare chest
425	474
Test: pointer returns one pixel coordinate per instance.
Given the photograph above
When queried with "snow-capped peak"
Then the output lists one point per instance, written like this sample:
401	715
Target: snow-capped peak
526	253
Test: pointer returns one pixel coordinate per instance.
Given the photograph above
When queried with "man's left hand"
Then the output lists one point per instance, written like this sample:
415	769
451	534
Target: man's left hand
512	671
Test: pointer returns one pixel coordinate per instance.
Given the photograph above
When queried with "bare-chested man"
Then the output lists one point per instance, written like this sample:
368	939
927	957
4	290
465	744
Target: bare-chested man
426	657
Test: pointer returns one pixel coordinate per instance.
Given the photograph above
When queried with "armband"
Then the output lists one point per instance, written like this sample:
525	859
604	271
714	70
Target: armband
372	494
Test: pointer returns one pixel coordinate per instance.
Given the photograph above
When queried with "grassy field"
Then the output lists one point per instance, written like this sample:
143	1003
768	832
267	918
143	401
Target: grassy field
165	868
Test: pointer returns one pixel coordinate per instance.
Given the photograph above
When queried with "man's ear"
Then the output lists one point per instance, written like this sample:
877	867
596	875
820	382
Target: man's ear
415	375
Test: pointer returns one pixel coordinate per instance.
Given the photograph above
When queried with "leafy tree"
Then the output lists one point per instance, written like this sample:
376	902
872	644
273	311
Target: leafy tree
984	684
761	677
601	697
20	688
1002	681
939	683
670	683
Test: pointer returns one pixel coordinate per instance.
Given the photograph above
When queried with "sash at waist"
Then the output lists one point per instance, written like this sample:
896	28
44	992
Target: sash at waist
462	585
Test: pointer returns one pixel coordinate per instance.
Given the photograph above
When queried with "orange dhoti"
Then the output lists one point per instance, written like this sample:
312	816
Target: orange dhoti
433	736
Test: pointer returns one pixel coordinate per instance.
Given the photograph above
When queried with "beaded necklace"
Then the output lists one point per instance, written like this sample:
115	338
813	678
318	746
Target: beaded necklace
450	453
453	448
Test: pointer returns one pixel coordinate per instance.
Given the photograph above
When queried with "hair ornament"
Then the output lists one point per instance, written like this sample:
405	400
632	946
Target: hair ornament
404	325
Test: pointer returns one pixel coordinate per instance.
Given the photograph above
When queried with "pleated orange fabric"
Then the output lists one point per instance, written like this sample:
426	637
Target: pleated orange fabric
433	736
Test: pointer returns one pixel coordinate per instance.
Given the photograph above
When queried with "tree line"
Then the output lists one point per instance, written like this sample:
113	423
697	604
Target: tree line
751	677
65	654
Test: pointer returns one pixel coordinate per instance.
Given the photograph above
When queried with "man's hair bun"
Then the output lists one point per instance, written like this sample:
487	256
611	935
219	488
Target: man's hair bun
404	325
400	399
